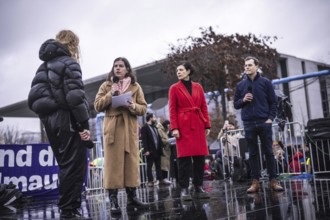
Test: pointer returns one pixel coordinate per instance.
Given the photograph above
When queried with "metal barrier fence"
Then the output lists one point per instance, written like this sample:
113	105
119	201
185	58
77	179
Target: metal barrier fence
95	168
320	149
292	156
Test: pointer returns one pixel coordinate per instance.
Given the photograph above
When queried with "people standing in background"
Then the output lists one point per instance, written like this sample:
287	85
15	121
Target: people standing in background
230	139
57	96
190	125
165	158
256	97
173	155
152	149
278	151
120	134
229	147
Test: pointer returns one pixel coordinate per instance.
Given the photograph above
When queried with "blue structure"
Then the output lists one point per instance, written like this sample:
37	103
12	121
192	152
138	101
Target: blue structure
302	76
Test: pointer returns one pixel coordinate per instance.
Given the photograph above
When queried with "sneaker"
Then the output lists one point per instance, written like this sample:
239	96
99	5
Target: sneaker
275	185
255	186
156	182
200	193
165	182
185	195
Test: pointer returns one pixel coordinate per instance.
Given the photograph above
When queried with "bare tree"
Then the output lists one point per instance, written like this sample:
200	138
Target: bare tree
11	135
219	60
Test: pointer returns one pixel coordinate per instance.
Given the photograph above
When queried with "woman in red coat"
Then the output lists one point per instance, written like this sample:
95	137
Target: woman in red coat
190	124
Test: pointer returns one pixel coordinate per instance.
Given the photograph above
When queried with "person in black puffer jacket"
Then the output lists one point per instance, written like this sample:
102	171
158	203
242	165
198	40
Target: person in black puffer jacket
57	96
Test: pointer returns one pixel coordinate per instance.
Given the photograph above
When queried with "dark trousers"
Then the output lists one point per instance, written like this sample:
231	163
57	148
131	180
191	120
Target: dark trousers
164	174
173	163
71	157
185	164
151	160
262	130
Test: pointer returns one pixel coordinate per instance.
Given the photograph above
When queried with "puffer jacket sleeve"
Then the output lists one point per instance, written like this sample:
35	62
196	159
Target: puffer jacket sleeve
75	94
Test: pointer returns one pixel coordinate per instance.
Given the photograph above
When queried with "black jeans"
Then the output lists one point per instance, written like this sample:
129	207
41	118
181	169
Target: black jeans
173	163
191	166
253	130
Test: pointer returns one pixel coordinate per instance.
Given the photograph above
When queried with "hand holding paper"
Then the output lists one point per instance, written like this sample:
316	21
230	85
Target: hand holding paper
121	100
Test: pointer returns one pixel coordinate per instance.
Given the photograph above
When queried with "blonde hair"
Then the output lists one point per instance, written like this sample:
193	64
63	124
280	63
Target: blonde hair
71	41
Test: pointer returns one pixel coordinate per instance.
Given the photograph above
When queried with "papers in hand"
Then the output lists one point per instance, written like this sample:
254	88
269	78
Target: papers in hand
121	100
172	141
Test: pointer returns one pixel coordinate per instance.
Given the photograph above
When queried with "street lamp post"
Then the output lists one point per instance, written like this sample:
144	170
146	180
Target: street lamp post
213	96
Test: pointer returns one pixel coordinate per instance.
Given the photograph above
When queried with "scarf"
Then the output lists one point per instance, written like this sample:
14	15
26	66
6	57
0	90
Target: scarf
124	84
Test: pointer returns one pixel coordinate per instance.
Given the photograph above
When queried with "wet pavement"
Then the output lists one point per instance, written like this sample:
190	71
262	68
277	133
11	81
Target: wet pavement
303	198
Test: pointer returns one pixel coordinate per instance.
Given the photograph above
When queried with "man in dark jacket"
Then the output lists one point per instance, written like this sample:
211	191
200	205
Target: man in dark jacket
256	97
57	96
153	149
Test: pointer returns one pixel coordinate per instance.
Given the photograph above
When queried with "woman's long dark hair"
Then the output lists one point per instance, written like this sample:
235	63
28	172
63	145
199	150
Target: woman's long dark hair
128	67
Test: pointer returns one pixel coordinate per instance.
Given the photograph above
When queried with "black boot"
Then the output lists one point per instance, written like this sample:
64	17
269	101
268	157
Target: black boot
114	207
133	203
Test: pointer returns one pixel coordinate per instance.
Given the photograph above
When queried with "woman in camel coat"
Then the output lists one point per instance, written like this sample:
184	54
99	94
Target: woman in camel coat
120	133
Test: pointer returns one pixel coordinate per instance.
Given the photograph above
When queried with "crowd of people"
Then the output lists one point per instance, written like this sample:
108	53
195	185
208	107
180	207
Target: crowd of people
293	159
174	149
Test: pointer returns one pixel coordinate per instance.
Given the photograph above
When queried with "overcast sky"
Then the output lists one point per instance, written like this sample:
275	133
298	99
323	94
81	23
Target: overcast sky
141	30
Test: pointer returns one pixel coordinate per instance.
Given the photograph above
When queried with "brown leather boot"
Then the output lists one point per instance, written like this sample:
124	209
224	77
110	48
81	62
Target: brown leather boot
275	185
255	186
